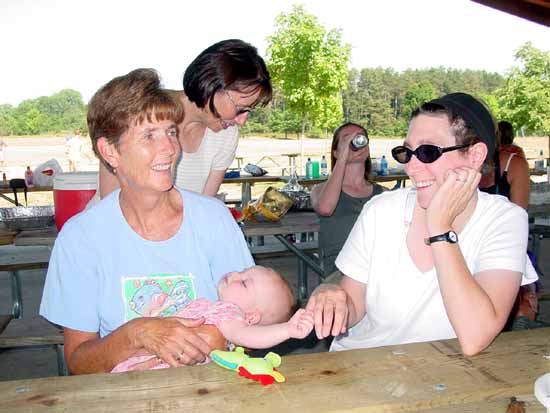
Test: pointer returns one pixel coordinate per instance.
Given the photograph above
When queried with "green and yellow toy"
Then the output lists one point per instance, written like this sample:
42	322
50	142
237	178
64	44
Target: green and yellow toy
262	369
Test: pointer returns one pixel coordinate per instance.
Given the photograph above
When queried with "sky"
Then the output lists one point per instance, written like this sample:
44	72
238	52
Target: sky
51	45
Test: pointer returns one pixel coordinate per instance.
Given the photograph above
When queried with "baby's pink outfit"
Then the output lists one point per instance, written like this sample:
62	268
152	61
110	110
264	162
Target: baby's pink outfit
213	312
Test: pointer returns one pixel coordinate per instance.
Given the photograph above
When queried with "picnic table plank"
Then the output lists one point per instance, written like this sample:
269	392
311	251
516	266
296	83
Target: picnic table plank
423	377
31	341
45	236
293	222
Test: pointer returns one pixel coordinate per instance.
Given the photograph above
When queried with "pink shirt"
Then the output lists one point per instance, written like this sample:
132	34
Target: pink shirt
214	312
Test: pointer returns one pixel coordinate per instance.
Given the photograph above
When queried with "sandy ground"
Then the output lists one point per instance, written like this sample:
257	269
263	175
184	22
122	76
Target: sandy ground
268	153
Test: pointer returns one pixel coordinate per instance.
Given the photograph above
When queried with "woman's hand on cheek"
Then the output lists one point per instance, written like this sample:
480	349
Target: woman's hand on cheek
452	198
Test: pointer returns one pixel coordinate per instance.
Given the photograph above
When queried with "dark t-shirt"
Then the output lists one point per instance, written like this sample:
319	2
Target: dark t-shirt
336	228
501	186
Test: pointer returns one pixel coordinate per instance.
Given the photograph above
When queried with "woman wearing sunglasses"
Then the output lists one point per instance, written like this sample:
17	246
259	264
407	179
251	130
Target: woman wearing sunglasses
220	88
339	200
436	261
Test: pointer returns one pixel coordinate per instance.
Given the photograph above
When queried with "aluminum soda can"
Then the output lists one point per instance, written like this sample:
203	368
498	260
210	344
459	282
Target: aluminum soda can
359	142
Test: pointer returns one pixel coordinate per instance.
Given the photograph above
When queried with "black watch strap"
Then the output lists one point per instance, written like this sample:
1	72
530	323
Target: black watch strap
449	236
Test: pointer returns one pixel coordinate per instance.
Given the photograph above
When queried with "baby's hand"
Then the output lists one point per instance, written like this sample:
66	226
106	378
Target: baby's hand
300	324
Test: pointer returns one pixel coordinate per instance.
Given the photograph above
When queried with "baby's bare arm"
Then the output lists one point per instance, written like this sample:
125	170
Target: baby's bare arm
265	336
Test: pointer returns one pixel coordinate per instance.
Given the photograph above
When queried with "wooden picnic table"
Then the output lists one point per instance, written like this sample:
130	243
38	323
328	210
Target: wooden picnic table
247	181
424	377
7	190
291	223
13	260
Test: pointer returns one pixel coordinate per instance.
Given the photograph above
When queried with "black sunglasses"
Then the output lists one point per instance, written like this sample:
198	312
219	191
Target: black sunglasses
424	153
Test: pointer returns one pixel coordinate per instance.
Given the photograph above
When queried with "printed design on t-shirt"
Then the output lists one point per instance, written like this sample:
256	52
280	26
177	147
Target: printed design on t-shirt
156	295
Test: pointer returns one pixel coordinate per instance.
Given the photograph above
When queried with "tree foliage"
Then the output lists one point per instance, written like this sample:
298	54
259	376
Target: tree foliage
310	67
314	92
61	112
380	99
524	99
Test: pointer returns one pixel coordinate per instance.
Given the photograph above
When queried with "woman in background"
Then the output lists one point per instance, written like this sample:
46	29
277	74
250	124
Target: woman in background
340	199
509	177
509	172
507	135
220	88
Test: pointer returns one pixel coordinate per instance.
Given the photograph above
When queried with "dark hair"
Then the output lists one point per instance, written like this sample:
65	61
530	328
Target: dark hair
470	119
506	132
464	134
227	65
460	130
133	97
334	146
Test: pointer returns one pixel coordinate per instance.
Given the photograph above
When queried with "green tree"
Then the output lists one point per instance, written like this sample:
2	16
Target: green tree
61	112
310	66
525	98
7	120
35	121
378	100
417	94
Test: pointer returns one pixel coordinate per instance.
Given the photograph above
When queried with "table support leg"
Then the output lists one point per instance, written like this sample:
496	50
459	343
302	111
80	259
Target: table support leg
8	199
62	369
302	280
246	193
16	298
301	255
304	261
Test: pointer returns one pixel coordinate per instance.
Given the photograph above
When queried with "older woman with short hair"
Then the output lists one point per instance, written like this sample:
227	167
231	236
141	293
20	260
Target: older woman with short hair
119	270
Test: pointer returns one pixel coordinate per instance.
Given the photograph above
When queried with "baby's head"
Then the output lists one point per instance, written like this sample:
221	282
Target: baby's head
261	293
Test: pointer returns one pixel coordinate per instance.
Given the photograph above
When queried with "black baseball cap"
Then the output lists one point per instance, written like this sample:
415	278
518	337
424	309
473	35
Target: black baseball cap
474	113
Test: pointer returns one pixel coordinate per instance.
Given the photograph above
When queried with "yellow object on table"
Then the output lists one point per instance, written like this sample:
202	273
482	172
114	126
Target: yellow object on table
271	206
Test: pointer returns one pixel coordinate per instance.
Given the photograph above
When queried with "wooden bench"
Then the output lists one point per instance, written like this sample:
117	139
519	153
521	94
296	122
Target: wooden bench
28	342
16	293
55	340
544	295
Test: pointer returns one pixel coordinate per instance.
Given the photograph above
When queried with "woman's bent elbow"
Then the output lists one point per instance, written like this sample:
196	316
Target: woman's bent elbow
474	347
324	210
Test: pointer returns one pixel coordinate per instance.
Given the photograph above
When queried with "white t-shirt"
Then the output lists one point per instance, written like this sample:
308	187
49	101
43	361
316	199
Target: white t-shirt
215	153
405	305
74	148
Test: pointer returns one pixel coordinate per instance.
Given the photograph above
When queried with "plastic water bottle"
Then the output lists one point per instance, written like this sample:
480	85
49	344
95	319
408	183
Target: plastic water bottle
324	167
28	177
383	166
309	169
315	169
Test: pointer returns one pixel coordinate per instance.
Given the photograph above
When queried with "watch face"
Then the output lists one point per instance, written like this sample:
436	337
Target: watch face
453	237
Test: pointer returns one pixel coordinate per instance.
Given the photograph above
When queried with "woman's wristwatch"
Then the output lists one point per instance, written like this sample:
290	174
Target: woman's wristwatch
449	236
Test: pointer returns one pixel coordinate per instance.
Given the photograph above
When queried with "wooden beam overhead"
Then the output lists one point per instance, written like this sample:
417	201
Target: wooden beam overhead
537	11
